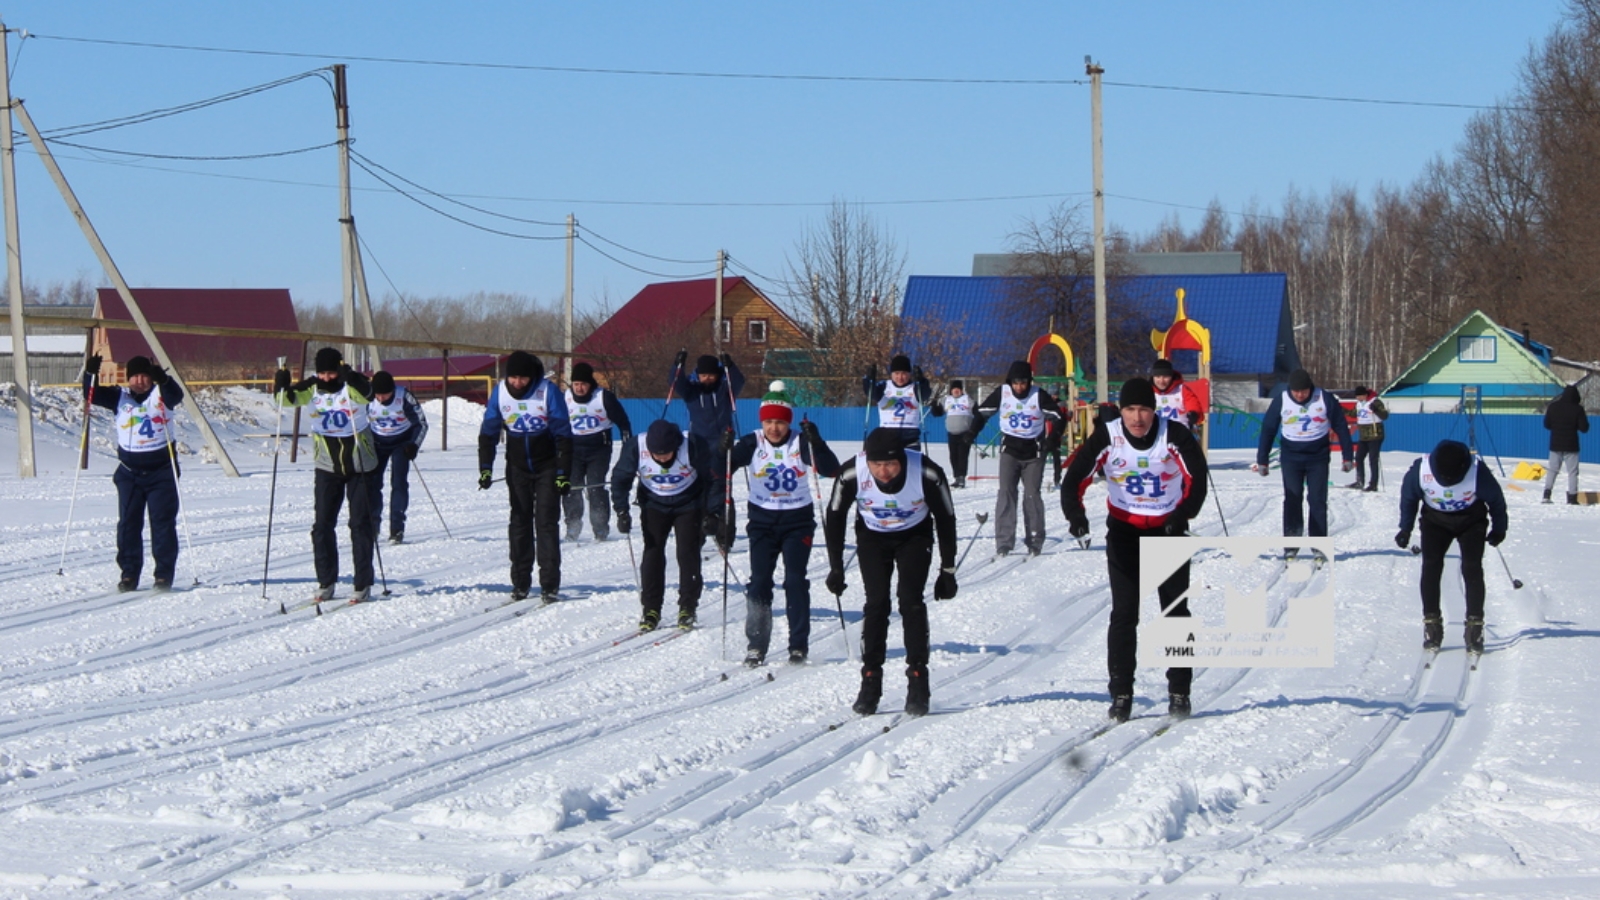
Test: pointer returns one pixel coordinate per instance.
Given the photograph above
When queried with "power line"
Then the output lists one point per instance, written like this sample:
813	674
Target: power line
140	155
665	259
584	241
399	297
457	219
1319	98
431	192
154	114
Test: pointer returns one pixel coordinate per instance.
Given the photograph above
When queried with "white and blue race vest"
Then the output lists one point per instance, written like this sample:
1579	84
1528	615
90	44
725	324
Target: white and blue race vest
588	416
778	475
1021	418
898	408
1142	482
337	414
958	414
1305	423
141	427
1365	414
389	419
667	480
882	511
1169	404
530	415
1452	498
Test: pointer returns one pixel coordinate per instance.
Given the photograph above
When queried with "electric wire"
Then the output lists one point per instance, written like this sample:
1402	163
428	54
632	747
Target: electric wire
627	265
454	218
666	259
165	112
399	297
187	158
448	199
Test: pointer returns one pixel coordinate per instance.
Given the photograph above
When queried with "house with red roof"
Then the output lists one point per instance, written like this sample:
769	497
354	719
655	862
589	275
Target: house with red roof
632	351
200	357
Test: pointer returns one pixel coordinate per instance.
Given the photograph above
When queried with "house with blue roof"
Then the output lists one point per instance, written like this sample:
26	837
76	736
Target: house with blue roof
1477	366
976	326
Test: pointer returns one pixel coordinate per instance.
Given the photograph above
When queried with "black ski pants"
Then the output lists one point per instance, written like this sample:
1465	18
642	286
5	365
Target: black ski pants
154	490
787	534
1305	481
880	554
1122	638
589	468
331	492
399	487
535	528
960	452
1368	451
1436	539
656	525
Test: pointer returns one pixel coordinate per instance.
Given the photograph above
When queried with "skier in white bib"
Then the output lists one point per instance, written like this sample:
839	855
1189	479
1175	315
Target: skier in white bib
901	401
958	412
593	412
1031	424
674	481
1301	418
398	429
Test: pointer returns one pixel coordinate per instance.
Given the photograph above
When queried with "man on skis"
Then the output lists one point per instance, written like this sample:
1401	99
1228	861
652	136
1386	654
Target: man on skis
672	497
958	412
1302	416
709	396
594	411
398	427
146	477
1030	425
1174	399
1155	483
900	401
901	501
781	520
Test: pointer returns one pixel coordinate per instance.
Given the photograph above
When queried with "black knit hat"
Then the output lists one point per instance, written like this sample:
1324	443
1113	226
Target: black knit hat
329	359
1362	392
522	364
707	365
663	437
140	365
1019	371
1450	461
885	444
956	384
901	363
1300	380
583	372
1162	367
1137	392
382	382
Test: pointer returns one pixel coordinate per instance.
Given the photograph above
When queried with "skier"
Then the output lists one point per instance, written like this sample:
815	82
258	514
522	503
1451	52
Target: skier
709	397
900	400
1370	413
673	481
1155	483
1030	425
533	415
1564	418
339	398
782	521
957	410
1174	399
146	477
895	493
1458	498
1302	415
398	427
594	411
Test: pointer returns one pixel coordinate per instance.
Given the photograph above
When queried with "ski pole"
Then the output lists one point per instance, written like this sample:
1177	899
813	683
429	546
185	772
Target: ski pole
272	497
1516	583
677	370
183	509
982	518
1214	496
424	482
631	559
83	456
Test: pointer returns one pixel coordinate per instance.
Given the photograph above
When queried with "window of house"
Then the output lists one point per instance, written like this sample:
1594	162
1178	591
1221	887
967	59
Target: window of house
727	331
756	331
1476	349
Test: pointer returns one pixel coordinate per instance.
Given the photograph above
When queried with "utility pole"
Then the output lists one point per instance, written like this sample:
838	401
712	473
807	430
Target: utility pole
716	327
354	276
1102	360
572	234
19	328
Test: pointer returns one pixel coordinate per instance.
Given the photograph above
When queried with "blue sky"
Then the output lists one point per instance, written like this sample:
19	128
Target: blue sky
679	167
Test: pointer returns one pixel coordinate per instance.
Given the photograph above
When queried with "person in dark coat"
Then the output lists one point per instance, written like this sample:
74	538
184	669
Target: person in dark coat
1564	418
592	411
710	396
902	401
1301	417
1370	413
672	497
147	476
398	429
958	411
1459	499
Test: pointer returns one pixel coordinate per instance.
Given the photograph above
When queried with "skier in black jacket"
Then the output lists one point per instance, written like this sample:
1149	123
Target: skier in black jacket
709	396
593	412
672	499
1458	498
1564	418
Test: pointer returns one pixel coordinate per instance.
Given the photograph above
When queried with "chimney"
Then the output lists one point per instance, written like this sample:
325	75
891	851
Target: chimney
1527	336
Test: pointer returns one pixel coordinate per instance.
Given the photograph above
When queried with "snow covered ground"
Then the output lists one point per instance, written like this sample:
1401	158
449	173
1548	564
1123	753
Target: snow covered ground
437	745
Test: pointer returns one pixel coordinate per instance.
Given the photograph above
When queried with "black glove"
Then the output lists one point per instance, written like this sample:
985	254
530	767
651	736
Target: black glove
1495	537
808	430
872	373
1078	525
916	374
1177	526
1263	469
944	587
624	521
726	441
485	478
1194	419
411	451
1403	539
711	525
680	359
91	366
727	361
627	438
725	535
281	381
563	484
835	581
1052	442
305	384
158	375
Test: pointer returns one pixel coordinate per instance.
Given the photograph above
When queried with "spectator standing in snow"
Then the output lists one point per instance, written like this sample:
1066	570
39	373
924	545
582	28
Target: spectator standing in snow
532	413
1370	413
782	520
398	427
1155	484
902	400
1564	418
1458	498
1030	426
901	501
146	477
592	411
957	409
1302	416
341	437
673	481
709	396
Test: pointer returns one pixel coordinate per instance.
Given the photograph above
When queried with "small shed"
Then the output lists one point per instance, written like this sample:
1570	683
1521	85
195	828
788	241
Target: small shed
1477	366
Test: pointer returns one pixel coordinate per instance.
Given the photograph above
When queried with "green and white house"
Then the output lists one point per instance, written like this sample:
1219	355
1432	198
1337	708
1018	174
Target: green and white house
1477	366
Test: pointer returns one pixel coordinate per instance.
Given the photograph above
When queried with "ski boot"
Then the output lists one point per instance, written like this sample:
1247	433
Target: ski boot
1121	707
161	585
1546	496
754	658
324	593
361	595
1474	635
685	619
1572	499
127	584
871	691
549	597
650	619
917	693
797	657
1432	633
1178	706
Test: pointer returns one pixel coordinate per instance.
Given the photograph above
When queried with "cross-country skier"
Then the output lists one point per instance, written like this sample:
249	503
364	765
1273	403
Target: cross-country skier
1174	399
1155	483
782	520
1459	498
533	415
345	460
398	427
710	406
594	411
902	400
1030	425
672	496
1303	415
957	408
145	478
901	501
1370	413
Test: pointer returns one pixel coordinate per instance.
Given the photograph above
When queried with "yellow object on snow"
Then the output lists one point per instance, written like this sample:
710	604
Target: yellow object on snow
1528	471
